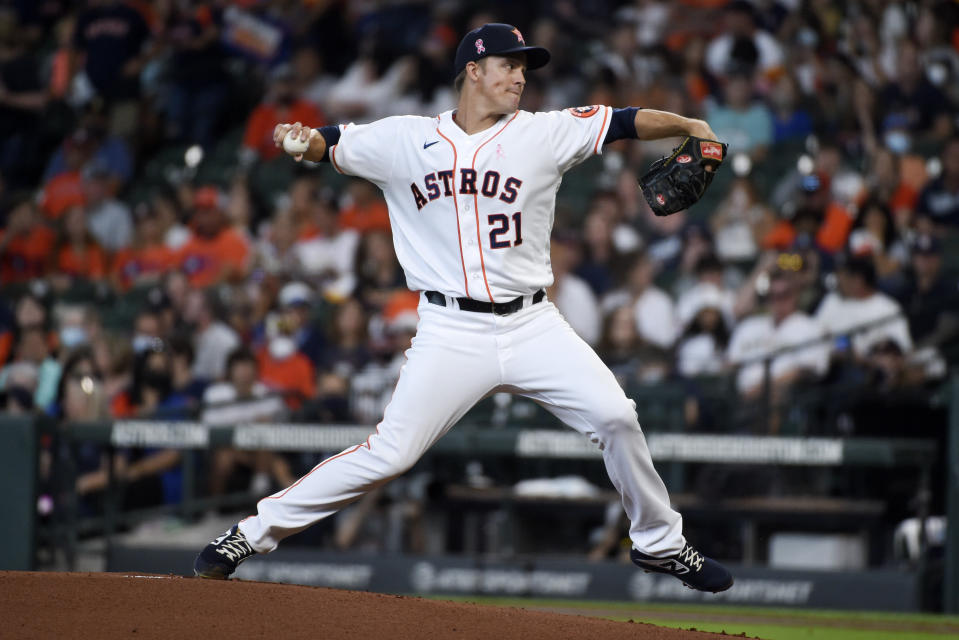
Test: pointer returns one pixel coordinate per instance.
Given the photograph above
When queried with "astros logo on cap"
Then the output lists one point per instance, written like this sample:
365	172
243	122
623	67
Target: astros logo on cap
519	36
479	46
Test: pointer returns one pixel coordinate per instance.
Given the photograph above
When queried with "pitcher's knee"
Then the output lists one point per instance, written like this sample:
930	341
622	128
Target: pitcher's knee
393	462
617	418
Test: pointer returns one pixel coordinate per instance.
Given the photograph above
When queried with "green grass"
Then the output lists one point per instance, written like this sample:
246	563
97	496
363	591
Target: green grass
761	622
783	632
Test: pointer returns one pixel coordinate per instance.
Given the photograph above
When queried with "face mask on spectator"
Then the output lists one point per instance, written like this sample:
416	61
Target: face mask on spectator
897	141
141	342
73	336
282	347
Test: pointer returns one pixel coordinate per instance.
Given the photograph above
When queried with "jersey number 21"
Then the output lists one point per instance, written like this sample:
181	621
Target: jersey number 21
501	225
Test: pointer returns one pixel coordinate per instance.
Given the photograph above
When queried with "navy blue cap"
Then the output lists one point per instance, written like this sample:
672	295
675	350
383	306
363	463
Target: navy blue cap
497	39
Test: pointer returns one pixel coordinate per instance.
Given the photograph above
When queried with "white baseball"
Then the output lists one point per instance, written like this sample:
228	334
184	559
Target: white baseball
294	145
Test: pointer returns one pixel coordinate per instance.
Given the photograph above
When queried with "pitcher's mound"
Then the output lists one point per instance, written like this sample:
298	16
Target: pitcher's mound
113	605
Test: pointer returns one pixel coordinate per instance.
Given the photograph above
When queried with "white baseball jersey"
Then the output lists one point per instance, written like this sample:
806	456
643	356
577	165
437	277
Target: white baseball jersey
471	217
472	214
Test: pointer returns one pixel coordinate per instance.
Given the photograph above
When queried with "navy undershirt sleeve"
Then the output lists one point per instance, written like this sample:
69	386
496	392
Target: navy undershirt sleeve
622	126
330	133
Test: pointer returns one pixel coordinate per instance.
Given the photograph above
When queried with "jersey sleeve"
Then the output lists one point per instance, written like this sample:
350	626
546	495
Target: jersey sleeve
577	133
366	150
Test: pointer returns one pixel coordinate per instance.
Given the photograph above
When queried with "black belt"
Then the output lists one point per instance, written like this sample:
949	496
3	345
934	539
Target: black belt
498	308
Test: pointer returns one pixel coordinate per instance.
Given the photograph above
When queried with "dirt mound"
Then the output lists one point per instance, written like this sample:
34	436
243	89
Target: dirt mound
112	605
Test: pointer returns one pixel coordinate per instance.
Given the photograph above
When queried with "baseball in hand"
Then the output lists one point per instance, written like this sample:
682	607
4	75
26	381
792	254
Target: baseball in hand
294	145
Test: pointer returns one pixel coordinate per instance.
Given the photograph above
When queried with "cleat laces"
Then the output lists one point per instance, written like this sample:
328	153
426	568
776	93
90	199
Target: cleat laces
235	548
691	558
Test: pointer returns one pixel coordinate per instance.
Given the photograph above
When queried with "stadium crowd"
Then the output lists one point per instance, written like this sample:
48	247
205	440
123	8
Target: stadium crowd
161	258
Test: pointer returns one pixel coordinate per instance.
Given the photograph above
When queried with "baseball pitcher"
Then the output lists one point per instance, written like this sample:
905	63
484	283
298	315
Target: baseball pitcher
471	195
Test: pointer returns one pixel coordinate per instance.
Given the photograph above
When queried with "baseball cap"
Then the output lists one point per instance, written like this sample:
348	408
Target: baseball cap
497	39
295	293
206	197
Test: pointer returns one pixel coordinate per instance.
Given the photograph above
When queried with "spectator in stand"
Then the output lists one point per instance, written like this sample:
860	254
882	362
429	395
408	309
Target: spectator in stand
885	184
276	247
791	122
570	293
64	189
195	71
789	339
599	260
939	199
858	315
96	146
76	254
888	370
286	371
25	242
148	258
147	331
328	260
282	104
186	390
930	300
113	41
296	300
625	352
741	121
108	219
148	395
742	43
708	285
241	312
304	192
79	325
32	359
652	308
377	270
242	397
153	473
740	222
365	209
911	107
31	312
817	219
78	363
216	252
701	348
213	340
876	234
346	350
166	206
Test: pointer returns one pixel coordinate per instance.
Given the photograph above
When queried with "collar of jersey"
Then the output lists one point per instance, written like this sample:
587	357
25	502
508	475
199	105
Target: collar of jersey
452	130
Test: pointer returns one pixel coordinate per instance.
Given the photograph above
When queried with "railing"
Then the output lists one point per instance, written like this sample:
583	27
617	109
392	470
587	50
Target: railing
465	442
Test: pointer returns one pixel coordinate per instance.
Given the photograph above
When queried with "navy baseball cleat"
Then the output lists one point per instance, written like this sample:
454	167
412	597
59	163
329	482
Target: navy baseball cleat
693	568
220	558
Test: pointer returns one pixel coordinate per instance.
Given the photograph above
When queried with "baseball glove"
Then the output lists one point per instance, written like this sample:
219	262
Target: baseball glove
678	181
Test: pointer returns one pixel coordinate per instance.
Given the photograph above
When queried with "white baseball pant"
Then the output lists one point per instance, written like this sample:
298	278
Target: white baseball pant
456	359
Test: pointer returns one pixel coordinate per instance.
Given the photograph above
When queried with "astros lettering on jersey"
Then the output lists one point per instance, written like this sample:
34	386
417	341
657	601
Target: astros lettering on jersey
472	214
